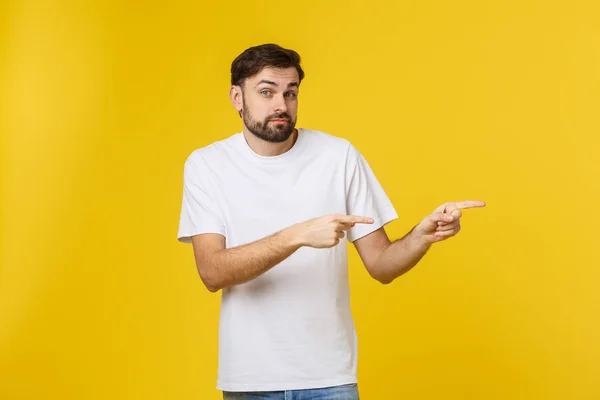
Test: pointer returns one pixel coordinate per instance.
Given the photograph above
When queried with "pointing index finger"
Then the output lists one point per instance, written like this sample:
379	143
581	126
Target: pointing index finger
470	204
354	219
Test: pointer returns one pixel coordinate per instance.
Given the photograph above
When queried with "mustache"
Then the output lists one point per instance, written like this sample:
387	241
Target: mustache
279	116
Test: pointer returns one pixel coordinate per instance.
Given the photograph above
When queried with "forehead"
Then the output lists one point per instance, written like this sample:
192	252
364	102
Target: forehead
281	76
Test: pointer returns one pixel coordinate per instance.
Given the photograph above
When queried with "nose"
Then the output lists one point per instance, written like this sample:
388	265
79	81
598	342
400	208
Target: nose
280	105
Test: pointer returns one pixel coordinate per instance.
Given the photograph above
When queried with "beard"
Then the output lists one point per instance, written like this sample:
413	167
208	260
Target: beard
270	132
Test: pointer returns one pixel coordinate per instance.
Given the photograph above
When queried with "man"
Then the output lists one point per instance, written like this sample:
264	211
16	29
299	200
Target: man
266	211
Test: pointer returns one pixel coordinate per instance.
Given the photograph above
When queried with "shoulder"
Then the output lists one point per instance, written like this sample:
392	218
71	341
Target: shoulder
326	141
202	161
211	152
333	145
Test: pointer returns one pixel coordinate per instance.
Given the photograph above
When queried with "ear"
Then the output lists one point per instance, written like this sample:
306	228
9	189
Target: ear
235	95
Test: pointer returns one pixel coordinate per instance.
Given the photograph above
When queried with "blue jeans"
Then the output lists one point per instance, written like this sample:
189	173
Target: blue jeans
343	392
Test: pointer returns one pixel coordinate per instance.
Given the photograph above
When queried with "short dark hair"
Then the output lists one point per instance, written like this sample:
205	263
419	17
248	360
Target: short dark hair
254	59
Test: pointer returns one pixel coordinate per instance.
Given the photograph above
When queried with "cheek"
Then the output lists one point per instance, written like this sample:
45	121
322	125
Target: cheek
260	110
292	108
256	110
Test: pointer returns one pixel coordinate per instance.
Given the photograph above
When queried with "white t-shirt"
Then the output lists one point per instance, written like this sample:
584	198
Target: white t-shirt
290	328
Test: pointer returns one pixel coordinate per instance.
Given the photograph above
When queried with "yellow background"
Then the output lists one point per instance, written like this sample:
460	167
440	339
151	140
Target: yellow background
101	102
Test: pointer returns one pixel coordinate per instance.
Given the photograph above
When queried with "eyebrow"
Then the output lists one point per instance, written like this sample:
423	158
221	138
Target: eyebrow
291	84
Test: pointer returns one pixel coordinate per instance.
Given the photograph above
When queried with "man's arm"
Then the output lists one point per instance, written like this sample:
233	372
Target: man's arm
219	267
386	260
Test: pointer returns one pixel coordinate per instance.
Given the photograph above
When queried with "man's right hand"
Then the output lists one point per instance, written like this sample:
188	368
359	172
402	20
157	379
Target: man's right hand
221	267
324	232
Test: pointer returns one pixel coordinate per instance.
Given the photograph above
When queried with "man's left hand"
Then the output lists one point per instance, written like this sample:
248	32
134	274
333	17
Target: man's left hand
444	222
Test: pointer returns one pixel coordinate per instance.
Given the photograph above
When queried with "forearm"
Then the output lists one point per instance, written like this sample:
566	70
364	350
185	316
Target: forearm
229	267
399	257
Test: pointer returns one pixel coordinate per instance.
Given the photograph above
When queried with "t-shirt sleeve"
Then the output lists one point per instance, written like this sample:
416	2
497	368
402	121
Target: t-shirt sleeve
365	196
199	211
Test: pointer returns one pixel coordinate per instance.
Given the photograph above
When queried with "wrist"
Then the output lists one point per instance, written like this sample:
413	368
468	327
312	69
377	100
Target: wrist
420	239
291	237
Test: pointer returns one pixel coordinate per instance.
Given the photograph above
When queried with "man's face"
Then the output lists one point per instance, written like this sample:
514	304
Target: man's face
270	103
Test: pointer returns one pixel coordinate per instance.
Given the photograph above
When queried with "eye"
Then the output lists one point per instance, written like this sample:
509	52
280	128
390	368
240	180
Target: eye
290	95
265	92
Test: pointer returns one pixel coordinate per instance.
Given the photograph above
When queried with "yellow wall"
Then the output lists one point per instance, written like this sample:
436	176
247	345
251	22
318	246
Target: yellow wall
101	104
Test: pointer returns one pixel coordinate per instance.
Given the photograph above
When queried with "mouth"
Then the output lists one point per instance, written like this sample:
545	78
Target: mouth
279	121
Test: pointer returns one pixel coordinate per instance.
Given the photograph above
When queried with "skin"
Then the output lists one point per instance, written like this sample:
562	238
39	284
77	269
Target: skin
265	97
268	105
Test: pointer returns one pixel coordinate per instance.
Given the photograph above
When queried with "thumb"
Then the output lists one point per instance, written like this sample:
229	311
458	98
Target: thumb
431	222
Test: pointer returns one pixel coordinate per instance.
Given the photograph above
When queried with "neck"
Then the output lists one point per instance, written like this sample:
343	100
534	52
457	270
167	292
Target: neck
269	149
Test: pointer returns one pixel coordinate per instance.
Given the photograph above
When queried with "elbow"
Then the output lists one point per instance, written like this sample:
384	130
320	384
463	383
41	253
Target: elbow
211	284
384	279
212	288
